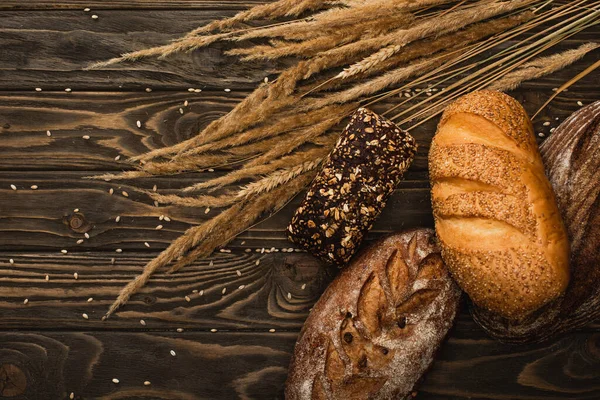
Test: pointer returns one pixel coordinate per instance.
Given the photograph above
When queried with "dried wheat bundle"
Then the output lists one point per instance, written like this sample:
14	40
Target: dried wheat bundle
344	54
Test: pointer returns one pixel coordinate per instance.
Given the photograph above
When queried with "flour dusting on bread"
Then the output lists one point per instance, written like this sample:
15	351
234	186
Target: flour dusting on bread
375	330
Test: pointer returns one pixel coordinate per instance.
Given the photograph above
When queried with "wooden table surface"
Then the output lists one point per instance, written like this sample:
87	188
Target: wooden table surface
227	348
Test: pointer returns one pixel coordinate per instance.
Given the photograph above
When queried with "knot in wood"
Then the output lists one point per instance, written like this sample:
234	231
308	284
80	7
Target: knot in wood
13	381
77	222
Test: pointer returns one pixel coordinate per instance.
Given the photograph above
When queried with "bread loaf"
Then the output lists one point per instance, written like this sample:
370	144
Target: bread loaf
376	328
572	159
349	193
495	214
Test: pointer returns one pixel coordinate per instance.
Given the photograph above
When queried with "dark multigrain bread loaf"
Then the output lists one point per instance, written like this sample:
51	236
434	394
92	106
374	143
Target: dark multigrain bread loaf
352	188
572	159
377	327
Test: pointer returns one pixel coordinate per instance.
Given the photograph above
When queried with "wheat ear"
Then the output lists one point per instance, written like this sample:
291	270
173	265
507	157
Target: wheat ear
251	172
277	178
198	201
252	210
277	9
446	24
542	66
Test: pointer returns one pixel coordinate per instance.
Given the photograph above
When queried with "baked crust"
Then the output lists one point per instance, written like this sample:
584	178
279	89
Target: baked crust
375	330
572	158
496	216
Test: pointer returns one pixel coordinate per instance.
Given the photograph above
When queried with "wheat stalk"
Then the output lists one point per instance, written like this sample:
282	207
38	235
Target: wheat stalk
312	46
279	150
212	233
250	172
277	178
446	24
277	9
286	123
542	66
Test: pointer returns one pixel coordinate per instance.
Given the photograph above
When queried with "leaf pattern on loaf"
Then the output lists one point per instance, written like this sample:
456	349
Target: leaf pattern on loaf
375	330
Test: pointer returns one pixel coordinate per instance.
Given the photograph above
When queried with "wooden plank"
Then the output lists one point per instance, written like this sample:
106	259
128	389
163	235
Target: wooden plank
254	365
44	219
49	50
276	294
128	4
110	118
261	303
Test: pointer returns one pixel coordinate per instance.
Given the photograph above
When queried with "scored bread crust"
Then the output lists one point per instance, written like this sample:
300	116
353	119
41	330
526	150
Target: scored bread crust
572	159
375	330
496	216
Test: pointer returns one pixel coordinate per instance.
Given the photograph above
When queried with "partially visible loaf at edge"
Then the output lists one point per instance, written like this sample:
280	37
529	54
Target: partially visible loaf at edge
377	327
572	159
495	212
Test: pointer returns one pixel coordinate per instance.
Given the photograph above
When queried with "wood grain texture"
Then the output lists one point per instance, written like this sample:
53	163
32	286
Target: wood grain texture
127	4
42	219
47	348
254	366
49	50
276	293
110	119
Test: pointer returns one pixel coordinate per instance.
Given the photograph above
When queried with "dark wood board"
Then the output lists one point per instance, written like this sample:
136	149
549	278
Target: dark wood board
110	119
48	349
253	365
277	293
127	4
44	219
50	49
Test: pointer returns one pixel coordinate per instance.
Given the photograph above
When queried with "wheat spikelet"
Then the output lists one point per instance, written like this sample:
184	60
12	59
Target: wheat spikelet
270	201
326	22
277	9
448	23
214	130
263	146
426	47
330	21
186	44
286	122
197	201
177	248
302	136
192	41
212	233
188	164
542	66
277	178
254	109
375	85
251	172
120	175
312	46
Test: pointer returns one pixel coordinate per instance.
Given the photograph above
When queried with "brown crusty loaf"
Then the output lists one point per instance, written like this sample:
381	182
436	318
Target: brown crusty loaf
495	213
375	330
349	193
572	159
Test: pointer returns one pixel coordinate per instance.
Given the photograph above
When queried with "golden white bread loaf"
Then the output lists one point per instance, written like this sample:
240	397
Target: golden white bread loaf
495	213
